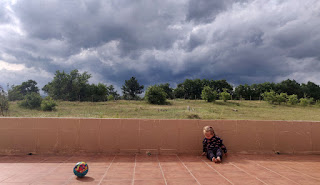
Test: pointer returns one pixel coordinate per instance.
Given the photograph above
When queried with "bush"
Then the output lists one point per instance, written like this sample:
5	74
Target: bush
293	99
269	96
31	101
304	102
48	104
273	97
156	95
110	97
318	103
193	116
311	101
281	98
225	95
208	94
4	103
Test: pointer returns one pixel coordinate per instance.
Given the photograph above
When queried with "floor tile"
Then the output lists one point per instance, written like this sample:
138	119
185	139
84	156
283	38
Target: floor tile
116	182
182	182
162	169
150	182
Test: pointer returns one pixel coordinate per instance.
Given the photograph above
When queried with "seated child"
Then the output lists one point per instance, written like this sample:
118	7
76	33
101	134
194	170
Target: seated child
212	145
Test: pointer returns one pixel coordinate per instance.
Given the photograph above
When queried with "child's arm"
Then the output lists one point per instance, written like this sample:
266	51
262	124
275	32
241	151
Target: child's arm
204	143
224	148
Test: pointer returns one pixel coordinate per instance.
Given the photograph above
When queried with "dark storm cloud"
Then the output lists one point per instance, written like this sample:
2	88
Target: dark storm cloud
92	23
243	41
206	10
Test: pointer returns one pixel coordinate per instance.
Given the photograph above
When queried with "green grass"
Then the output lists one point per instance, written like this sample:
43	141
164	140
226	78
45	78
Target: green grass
176	109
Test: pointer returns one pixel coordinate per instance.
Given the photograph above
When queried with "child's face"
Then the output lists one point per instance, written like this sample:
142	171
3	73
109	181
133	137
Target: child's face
208	135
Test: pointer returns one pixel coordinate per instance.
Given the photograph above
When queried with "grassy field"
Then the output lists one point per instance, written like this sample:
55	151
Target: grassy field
177	109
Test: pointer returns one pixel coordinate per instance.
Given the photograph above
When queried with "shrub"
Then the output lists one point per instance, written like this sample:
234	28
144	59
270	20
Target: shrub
272	97
31	101
48	104
208	94
225	95
269	96
4	103
156	95
311	101
110	97
318	103
304	102
193	116
281	98
293	99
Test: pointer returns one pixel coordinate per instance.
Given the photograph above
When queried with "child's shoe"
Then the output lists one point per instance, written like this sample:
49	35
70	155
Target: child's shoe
214	159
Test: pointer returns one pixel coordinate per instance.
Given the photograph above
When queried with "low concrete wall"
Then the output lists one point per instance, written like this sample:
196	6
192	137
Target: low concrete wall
74	135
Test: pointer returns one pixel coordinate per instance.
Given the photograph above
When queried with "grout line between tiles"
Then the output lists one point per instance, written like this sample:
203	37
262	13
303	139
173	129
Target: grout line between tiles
188	170
248	173
53	168
269	170
18	173
275	172
297	171
134	168
216	171
107	170
165	180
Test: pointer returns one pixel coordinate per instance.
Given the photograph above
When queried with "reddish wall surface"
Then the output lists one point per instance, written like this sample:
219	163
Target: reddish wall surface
73	135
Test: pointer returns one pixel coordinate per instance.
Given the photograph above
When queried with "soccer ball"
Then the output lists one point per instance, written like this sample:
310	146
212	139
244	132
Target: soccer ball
81	169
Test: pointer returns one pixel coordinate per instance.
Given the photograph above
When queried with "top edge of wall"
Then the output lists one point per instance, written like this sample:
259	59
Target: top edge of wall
157	119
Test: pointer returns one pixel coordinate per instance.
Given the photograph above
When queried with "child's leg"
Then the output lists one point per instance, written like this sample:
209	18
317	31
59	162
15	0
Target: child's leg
219	154
210	155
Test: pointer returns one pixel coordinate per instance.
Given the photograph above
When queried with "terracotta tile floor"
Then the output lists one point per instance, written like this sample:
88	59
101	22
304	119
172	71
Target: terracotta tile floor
162	170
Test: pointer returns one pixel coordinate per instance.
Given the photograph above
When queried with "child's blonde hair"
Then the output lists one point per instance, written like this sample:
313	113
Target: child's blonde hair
208	129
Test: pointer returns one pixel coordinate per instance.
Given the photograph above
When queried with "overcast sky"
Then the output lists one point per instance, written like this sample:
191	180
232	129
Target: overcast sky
159	41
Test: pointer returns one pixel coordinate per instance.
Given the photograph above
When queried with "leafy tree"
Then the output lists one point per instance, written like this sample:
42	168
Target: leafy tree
70	87
4	103
14	93
225	95
290	87
156	95
31	101
29	87
293	99
111	91
98	92
179	92
208	94
189	89
222	85
243	91
311	90
131	89
266	87
192	89
168	90
18	92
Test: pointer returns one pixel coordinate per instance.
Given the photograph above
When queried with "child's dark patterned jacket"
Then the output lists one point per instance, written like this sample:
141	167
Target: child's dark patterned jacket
213	143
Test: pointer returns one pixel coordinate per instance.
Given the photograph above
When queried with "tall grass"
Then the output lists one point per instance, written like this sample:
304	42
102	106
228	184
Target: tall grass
175	109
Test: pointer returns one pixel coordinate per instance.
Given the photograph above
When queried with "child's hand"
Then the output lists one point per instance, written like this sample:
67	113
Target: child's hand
203	154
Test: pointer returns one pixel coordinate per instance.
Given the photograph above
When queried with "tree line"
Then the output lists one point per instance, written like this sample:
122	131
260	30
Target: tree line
74	86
